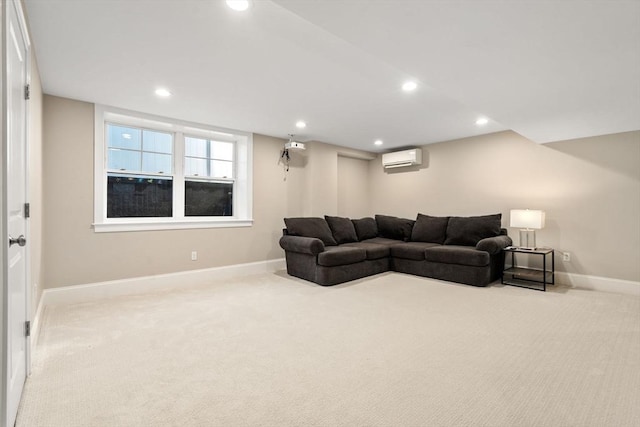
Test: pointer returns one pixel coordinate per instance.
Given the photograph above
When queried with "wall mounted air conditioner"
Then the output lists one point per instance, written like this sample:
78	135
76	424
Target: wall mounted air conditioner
404	158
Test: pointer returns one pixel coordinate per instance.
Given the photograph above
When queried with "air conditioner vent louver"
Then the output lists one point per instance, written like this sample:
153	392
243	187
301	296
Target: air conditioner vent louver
401	159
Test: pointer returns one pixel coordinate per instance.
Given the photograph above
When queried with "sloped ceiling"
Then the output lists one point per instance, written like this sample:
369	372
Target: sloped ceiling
549	70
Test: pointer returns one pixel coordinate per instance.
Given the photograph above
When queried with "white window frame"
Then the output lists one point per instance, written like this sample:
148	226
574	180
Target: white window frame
243	171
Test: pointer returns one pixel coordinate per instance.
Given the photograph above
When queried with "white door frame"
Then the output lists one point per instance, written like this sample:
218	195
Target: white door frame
4	237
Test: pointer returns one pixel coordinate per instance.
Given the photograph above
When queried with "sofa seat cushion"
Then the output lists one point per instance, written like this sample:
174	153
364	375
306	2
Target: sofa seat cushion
461	255
341	255
383	241
411	250
374	251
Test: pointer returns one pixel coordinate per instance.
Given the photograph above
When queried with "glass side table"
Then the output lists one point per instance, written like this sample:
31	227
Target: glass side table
529	277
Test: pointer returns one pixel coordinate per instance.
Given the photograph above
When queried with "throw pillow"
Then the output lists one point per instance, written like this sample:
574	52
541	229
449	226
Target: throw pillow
430	229
393	227
342	229
310	227
366	228
468	231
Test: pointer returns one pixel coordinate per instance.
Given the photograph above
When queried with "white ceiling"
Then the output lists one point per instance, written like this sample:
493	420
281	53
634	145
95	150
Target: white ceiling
549	70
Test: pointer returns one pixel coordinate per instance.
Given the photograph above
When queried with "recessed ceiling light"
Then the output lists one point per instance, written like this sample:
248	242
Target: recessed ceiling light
239	5
482	121
378	142
301	125
409	86
163	92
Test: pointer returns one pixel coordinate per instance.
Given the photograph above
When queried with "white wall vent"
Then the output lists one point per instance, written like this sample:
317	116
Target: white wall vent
401	159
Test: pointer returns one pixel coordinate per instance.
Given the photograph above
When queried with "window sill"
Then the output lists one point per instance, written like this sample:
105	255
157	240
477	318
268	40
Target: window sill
113	227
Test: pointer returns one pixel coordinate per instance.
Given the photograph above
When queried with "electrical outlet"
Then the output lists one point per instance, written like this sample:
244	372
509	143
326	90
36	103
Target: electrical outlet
566	256
194	256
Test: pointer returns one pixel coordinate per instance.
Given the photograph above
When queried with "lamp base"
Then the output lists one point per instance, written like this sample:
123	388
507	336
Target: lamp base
528	238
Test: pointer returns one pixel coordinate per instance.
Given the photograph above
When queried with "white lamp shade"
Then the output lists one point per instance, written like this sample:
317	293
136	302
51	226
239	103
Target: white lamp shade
526	218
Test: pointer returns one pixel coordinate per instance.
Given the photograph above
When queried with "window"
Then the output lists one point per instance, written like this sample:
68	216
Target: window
157	173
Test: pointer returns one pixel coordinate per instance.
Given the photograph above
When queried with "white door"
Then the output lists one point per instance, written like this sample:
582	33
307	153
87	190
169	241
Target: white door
16	168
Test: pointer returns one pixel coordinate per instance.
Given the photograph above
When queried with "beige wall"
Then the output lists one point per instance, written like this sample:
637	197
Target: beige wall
321	190
323	186
589	188
75	254
353	187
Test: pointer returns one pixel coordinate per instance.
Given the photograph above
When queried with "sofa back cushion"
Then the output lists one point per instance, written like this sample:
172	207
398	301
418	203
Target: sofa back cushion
395	228
430	229
342	229
366	228
468	231
310	227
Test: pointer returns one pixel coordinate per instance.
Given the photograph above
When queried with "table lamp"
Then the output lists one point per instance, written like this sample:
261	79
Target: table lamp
528	221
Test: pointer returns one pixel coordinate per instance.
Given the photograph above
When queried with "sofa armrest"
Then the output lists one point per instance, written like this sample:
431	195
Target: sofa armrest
305	245
494	245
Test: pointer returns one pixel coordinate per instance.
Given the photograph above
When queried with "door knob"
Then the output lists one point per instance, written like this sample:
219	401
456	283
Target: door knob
21	241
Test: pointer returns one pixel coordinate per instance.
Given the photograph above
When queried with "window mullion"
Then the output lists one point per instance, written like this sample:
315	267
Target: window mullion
209	157
141	150
178	176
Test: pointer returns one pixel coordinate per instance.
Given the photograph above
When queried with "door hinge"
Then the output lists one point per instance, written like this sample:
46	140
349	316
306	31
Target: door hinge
27	92
27	328
27	210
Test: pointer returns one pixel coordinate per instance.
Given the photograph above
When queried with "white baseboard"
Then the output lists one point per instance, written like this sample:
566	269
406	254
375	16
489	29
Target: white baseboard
36	322
35	332
597	283
140	285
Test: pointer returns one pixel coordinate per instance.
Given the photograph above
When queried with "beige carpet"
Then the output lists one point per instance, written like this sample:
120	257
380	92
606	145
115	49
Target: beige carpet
391	350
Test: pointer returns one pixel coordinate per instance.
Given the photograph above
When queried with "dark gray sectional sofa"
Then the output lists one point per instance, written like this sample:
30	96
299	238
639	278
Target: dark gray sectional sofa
334	250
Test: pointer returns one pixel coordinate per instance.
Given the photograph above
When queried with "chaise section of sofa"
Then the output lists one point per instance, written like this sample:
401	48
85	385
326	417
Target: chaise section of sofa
333	250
